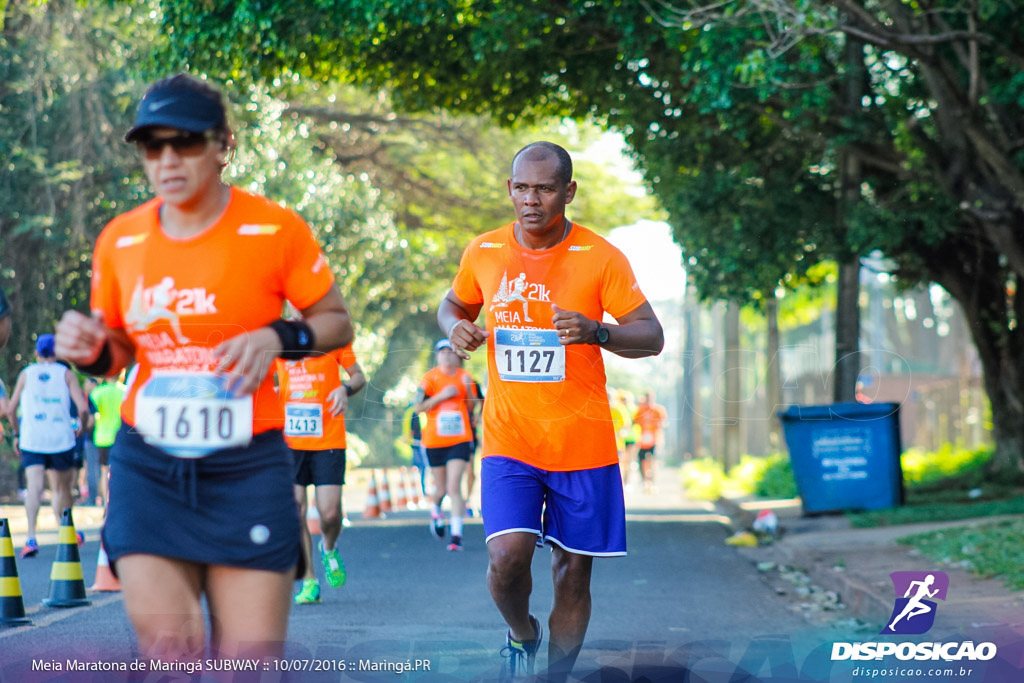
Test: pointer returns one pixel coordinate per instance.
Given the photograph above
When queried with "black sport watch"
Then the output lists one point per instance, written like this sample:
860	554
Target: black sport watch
601	334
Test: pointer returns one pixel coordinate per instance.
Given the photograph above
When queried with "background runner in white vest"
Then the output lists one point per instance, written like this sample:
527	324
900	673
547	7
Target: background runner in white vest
45	435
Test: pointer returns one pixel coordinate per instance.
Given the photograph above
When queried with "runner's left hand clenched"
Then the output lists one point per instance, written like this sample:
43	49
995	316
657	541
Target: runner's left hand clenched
247	358
573	327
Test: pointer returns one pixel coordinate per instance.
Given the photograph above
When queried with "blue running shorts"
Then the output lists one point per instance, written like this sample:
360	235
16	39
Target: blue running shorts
234	507
582	512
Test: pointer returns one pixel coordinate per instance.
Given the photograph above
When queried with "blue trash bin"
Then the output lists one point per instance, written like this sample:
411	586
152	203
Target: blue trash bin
845	456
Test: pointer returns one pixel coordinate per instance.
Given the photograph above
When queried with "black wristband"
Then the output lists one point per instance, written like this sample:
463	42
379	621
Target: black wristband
296	338
348	390
101	366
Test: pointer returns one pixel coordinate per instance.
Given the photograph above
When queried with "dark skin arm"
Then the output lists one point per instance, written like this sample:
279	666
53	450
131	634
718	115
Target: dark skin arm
456	317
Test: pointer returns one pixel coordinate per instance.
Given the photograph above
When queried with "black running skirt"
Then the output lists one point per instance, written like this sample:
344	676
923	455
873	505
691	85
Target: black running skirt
234	507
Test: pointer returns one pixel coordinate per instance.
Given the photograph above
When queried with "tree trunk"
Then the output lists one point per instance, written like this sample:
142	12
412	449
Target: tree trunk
847	364
978	283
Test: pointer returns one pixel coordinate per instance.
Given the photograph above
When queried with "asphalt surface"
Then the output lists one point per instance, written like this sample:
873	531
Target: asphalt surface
683	606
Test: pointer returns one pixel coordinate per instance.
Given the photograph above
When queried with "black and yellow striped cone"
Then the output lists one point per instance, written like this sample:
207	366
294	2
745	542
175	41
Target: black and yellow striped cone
12	607
67	586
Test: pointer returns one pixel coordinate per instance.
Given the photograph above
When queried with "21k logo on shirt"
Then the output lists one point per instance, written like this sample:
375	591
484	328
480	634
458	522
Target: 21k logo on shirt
517	290
166	302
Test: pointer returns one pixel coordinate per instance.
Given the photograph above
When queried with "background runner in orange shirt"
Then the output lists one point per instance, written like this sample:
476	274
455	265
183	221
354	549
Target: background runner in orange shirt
314	401
651	418
550	466
192	285
446	395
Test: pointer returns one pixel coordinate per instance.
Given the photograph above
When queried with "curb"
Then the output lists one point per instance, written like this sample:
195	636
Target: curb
861	598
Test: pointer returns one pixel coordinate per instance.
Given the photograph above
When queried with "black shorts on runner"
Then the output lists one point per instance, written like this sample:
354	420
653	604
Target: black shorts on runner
104	452
439	457
60	462
319	468
234	507
79	452
645	453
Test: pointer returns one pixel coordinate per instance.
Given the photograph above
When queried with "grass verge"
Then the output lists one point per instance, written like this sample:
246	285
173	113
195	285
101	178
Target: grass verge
991	550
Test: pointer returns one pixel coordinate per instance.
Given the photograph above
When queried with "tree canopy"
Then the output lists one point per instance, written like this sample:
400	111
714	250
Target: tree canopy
392	197
736	111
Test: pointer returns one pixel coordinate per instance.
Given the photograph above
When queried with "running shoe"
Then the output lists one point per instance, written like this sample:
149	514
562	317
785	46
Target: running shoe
310	593
31	548
437	526
520	656
80	538
456	545
470	512
334	568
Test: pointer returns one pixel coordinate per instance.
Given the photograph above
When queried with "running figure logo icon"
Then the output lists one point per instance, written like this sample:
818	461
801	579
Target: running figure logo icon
512	291
914	613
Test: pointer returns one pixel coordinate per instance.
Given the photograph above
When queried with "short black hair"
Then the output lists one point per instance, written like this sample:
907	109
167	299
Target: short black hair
535	151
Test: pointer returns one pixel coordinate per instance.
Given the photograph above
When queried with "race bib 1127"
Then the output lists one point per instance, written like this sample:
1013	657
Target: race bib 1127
529	355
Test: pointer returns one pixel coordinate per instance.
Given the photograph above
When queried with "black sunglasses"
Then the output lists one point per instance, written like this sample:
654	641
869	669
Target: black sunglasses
185	143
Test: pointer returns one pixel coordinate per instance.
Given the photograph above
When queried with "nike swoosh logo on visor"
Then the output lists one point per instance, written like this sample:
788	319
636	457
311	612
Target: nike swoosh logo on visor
159	105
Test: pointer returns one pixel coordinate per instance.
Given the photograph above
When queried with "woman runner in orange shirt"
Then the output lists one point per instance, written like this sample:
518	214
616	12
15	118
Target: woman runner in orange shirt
191	285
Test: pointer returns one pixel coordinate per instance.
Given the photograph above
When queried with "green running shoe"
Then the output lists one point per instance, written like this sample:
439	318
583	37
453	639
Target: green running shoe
310	593
334	568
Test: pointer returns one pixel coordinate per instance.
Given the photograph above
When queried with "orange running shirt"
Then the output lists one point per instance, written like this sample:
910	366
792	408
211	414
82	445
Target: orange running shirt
304	386
546	404
179	298
448	421
650	418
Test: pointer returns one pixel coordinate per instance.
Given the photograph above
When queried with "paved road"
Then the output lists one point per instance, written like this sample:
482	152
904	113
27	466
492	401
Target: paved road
680	597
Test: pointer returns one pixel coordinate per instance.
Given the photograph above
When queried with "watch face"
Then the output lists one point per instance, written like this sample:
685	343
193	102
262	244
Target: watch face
602	335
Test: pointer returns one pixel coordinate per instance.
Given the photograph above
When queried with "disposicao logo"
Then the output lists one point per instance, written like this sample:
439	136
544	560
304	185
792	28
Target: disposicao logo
913	614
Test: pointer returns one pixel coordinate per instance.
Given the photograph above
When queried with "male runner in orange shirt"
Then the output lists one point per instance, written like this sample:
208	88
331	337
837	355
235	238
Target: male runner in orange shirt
314	400
544	284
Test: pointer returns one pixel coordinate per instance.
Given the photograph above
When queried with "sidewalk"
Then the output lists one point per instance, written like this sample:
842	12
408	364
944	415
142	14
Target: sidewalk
851	567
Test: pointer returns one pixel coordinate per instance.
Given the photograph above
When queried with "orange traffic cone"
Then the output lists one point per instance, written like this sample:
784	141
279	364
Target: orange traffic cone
12	607
410	495
372	510
385	492
313	518
67	588
416	499
105	580
401	493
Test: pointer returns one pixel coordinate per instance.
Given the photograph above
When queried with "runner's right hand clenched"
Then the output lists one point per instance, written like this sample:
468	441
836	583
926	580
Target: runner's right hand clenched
79	338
